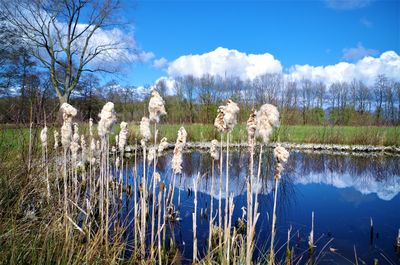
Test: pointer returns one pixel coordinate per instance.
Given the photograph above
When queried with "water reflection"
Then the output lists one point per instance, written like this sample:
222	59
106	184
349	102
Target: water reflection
344	191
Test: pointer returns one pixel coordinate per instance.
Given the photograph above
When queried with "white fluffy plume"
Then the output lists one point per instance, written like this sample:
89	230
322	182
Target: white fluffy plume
56	140
66	130
281	154
43	137
163	144
267	118
214	150
123	136
227	116
156	106
177	158
107	119
144	129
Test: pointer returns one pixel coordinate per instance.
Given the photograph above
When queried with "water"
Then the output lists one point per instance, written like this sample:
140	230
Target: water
344	191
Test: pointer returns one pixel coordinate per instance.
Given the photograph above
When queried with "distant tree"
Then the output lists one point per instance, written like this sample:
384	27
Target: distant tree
60	35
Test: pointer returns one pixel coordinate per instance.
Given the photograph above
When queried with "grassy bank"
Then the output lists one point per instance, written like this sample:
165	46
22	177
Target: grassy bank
364	135
350	135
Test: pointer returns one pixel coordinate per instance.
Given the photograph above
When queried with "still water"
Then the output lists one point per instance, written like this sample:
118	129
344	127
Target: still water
344	192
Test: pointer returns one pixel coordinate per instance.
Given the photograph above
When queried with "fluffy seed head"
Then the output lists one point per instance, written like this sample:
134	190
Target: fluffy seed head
267	118
251	126
231	112
151	155
43	136
144	129
91	127
56	140
123	136
227	116
163	144
177	158
214	150
107	119
66	130
281	154
156	106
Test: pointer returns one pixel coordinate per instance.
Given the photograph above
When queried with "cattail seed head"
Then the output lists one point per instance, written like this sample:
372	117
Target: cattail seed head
227	116
144	129
56	140
43	137
177	158
231	112
281	154
163	144
123	136
107	119
91	127
251	126
267	118
66	130
156	106
151	155
214	150
219	123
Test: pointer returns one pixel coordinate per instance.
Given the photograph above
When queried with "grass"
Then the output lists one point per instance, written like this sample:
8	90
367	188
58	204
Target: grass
351	135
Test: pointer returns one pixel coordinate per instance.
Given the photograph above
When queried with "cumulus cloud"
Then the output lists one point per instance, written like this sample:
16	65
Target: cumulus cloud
166	83
114	46
224	62
160	63
357	53
347	4
365	69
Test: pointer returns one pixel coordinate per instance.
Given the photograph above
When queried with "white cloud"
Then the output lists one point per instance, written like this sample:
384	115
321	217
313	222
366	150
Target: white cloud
347	4
225	62
169	84
366	22
365	69
357	53
160	63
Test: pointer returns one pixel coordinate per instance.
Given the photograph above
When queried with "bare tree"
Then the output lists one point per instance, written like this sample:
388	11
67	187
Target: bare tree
60	34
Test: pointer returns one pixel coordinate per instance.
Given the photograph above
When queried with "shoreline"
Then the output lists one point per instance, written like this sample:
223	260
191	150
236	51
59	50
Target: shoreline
339	149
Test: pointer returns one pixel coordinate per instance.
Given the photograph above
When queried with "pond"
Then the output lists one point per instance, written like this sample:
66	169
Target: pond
345	192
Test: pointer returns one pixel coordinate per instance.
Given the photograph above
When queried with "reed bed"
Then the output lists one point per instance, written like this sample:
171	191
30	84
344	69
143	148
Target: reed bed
79	217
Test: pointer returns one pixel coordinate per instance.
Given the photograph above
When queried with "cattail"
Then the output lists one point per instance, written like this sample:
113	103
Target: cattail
75	144
107	119
231	112
56	140
227	116
151	155
281	156
123	136
84	149
214	150
91	127
179	145
156	106
66	130
144	129
43	137
219	122
162	146
267	118
251	127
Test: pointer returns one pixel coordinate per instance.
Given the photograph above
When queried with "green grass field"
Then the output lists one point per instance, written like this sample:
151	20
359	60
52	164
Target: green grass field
364	135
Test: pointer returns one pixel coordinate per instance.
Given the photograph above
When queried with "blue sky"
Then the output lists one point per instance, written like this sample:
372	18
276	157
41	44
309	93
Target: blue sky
317	33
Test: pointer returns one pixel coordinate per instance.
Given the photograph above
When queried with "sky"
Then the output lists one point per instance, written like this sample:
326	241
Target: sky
331	40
